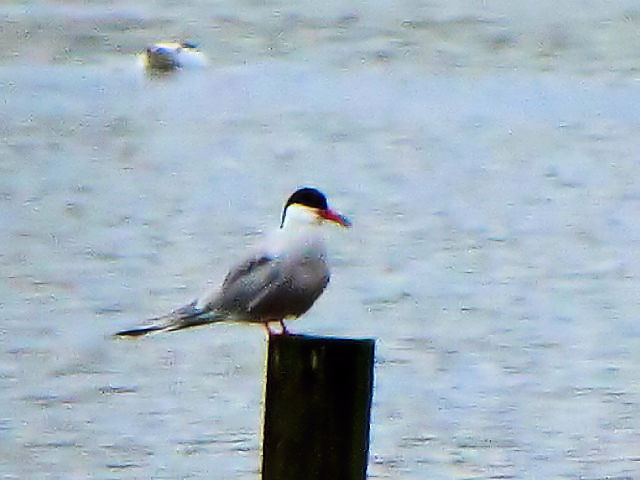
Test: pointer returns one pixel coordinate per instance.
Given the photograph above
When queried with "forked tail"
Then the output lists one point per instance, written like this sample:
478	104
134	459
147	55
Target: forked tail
185	317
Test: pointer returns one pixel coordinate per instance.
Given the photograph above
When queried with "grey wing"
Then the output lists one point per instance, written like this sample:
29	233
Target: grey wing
248	283
242	285
246	268
271	288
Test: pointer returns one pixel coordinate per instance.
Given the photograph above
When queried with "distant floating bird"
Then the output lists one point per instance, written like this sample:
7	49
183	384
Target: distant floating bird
280	280
168	56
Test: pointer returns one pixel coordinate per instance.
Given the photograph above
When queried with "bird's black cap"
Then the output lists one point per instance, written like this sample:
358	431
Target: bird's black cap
307	196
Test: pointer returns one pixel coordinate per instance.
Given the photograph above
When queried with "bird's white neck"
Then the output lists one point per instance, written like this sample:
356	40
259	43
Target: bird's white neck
301	232
300	217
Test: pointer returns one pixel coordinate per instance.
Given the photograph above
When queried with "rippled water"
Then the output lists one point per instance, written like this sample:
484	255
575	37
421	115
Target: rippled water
487	154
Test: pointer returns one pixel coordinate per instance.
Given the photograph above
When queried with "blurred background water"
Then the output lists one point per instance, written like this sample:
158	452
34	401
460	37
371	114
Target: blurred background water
486	151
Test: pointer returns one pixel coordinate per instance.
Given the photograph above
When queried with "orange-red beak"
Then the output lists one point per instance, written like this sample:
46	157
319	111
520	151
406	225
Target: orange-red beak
335	217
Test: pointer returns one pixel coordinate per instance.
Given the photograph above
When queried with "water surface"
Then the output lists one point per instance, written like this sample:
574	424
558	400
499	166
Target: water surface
487	156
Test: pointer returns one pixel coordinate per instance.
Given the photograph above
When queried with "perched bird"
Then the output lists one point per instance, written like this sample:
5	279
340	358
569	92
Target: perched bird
280	280
167	56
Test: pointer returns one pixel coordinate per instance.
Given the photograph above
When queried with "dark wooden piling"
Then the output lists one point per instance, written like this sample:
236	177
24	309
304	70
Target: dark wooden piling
317	408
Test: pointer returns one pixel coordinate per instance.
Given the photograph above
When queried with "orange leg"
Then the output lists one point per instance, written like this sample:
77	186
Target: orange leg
268	328
284	327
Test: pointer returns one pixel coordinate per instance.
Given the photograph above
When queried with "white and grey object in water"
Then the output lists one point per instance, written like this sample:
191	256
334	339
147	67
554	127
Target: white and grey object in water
168	56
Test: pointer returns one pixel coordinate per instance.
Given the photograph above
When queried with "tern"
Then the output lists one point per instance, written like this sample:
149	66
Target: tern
277	281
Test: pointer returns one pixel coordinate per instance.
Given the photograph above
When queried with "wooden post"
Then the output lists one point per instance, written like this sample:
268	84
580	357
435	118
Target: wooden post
317	408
